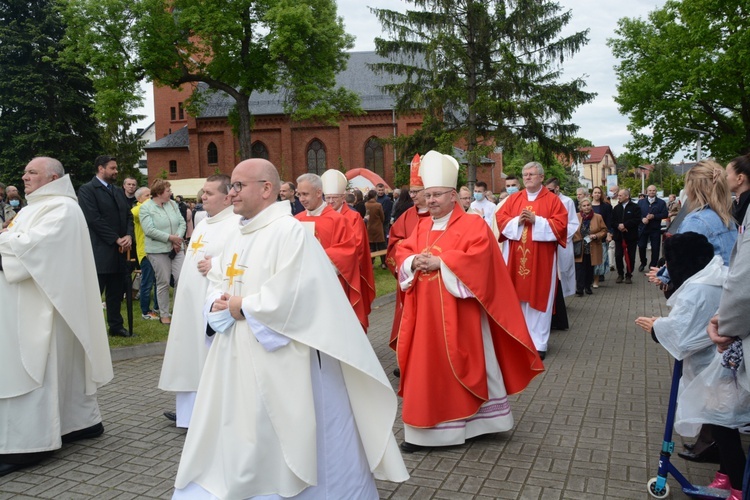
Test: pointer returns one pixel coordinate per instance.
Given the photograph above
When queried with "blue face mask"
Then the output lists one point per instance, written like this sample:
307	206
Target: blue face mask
14	203
478	196
512	189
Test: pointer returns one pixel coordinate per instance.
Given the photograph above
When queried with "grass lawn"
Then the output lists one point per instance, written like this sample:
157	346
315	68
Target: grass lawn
148	331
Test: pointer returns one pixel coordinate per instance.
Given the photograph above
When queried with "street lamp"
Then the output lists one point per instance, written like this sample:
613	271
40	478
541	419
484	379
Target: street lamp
697	141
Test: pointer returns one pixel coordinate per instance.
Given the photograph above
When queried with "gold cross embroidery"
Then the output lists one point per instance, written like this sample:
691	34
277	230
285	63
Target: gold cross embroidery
232	271
197	245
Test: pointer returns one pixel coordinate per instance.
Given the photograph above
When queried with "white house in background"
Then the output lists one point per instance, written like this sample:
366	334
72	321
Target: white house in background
147	134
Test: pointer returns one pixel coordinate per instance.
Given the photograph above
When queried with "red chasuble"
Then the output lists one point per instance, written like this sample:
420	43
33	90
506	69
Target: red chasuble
366	276
439	343
400	230
530	262
333	232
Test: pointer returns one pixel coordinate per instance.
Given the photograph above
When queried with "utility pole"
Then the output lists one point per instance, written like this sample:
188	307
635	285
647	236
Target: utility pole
700	133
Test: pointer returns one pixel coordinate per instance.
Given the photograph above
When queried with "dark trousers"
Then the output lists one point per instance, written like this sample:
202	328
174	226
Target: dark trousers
148	285
584	273
731	454
375	247
559	319
113	284
631	246
654	235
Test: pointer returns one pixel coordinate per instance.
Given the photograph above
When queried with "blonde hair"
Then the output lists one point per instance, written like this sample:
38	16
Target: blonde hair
706	184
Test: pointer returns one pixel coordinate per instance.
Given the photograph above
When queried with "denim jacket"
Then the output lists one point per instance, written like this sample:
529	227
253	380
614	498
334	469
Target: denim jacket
706	222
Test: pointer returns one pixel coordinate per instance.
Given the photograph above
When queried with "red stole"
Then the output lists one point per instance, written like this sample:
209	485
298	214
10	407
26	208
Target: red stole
530	262
439	342
400	230
337	239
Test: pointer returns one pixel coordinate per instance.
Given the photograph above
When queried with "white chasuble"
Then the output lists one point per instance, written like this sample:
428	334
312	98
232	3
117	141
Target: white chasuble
186	346
255	428
55	352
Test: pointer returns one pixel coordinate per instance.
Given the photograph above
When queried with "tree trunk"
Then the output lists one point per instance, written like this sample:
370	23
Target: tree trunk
244	125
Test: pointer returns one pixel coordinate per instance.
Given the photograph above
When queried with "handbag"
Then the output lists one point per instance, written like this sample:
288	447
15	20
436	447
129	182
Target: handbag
578	248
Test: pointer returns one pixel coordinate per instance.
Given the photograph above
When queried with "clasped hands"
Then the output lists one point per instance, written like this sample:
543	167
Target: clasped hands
231	302
425	262
124	243
526	216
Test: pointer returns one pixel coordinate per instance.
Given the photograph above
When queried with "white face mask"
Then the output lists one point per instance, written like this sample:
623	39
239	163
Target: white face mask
14	203
512	189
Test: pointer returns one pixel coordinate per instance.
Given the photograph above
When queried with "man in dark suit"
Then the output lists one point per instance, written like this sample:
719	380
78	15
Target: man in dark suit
653	210
110	223
626	217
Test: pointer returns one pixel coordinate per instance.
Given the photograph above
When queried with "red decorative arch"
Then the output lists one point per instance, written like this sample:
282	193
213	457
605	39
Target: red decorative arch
371	176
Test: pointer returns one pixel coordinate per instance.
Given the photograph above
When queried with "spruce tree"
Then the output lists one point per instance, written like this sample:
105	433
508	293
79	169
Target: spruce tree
488	70
45	102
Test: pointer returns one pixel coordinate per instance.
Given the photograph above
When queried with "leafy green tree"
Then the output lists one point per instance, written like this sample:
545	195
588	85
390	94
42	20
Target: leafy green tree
233	46
664	178
686	66
487	70
45	101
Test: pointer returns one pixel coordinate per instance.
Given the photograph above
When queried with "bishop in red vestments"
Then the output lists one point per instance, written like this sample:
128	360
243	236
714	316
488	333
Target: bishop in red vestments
534	221
462	342
334	233
400	230
334	189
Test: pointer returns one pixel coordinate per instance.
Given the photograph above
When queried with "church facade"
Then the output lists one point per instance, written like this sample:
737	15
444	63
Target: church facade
196	147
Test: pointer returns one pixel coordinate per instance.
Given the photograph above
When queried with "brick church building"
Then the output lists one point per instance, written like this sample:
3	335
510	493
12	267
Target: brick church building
196	147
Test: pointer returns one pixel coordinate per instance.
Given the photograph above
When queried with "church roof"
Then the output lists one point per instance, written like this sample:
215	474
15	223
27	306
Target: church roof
357	77
179	139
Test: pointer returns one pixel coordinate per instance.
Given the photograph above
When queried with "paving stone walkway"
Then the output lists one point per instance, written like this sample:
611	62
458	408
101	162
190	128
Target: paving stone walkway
590	427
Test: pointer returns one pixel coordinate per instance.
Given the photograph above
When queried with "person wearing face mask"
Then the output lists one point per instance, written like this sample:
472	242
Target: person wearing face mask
6	210
653	210
481	205
15	204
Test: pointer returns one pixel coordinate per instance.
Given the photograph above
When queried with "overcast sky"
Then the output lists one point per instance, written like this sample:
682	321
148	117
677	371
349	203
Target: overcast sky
600	121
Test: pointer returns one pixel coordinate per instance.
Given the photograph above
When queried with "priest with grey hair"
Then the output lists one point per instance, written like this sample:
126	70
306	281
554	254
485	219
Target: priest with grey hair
55	353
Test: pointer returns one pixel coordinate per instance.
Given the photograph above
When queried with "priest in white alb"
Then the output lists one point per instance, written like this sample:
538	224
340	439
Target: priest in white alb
292	401
54	352
186	346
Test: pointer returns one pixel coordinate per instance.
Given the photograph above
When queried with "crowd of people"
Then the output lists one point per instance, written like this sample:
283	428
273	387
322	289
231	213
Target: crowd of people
268	330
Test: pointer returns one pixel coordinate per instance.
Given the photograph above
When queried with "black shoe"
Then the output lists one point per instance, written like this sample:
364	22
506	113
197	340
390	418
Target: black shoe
120	332
709	455
88	433
641	268
6	469
542	354
588	290
411	448
579	293
628	280
171	415
619	279
397	373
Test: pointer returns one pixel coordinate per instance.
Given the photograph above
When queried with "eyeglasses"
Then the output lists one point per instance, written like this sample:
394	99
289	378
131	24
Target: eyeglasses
237	186
415	191
429	196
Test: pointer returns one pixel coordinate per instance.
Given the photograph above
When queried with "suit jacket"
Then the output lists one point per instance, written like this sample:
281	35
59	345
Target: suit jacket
108	217
630	216
658	208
